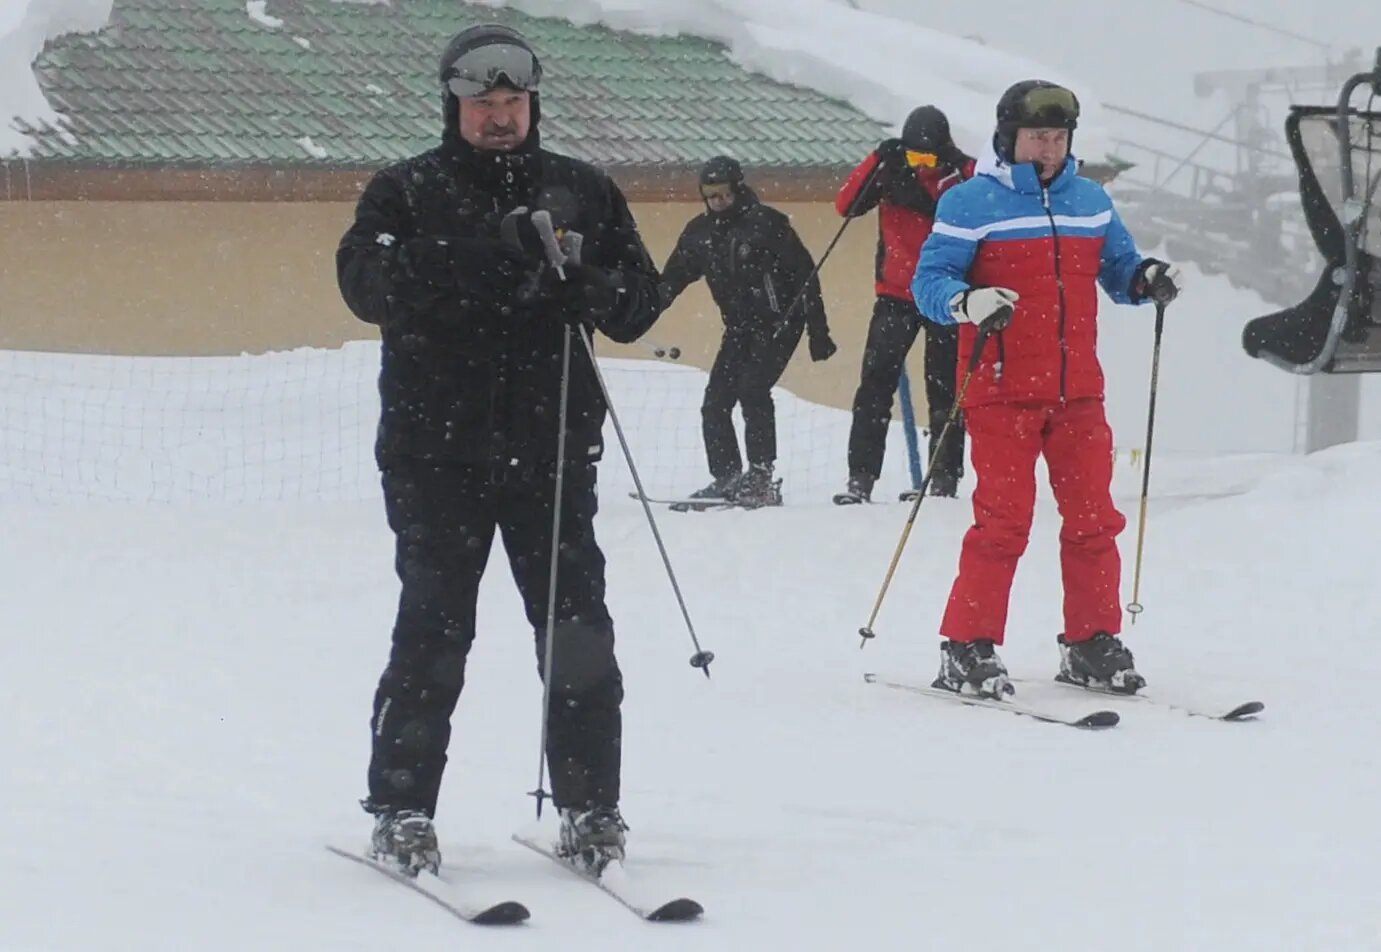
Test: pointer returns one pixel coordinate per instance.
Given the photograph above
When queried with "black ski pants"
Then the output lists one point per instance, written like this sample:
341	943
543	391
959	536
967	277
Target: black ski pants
444	519
746	369
891	333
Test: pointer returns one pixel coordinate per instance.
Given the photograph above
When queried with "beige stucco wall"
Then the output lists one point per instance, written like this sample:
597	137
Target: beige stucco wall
225	278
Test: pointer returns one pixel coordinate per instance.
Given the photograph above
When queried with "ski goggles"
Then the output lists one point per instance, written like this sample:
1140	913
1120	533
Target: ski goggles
926	160
485	67
721	190
1049	107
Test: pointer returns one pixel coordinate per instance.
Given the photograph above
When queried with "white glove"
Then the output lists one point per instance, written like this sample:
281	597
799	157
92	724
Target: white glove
990	307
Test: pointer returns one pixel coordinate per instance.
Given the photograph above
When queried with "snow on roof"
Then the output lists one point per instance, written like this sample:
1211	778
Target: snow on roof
25	25
882	65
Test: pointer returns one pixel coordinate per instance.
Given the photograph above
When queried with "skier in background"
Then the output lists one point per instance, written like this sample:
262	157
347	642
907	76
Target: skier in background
756	267
903	178
1028	239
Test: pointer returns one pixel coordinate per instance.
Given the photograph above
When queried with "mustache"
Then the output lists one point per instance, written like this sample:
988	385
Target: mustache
494	129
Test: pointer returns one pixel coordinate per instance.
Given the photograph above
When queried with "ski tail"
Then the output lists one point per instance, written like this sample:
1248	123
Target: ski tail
615	883
1094	720
442	893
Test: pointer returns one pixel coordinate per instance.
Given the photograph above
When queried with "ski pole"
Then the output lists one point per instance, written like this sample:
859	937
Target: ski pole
801	292
540	792
702	658
995	323
1134	607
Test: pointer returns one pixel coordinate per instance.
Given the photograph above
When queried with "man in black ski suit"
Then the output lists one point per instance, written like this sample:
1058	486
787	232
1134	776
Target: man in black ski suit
756	267
473	330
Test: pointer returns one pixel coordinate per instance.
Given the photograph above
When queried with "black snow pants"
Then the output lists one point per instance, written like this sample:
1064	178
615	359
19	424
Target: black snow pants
748	366
444	519
891	333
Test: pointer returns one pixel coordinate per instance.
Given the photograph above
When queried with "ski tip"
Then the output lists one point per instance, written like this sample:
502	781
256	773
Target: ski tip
1245	710
678	910
503	914
1099	720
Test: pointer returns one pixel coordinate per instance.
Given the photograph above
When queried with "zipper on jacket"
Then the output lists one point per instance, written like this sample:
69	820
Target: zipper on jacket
1060	286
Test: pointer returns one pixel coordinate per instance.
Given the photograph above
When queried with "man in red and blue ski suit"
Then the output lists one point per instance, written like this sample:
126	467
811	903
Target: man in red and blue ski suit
1029	240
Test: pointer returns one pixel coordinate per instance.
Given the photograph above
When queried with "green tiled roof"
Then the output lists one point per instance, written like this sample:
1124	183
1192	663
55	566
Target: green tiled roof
202	83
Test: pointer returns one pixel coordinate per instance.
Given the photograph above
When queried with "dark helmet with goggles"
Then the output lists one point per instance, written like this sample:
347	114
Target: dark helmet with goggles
487	57
1033	104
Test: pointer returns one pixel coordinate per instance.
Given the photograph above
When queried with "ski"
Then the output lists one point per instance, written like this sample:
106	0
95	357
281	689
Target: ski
439	890
1243	711
616	884
1096	720
687	505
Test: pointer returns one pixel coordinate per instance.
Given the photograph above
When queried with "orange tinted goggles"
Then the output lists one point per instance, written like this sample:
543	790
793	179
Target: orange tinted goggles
927	160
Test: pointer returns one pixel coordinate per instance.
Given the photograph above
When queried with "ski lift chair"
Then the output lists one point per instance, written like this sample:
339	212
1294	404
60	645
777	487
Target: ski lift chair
1337	328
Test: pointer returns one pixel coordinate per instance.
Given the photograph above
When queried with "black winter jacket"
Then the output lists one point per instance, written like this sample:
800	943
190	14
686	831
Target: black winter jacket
468	374
755	265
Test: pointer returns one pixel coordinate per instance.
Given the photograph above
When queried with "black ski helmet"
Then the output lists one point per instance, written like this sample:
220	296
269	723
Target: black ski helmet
471	38
927	130
1033	104
722	170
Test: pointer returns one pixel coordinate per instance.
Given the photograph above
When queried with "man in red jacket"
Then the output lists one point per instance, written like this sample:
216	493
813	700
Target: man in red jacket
1019	251
903	178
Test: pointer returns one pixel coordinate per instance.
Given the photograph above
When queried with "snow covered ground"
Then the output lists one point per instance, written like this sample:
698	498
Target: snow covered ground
187	690
190	636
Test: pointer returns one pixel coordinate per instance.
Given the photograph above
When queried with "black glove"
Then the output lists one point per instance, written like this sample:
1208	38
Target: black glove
586	295
1157	279
892	154
821	346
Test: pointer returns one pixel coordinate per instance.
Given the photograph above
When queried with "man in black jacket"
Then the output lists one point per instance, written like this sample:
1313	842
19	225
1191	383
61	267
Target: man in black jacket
473	332
756	267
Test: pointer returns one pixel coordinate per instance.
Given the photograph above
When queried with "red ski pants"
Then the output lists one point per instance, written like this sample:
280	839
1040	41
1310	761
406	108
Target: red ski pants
1005	441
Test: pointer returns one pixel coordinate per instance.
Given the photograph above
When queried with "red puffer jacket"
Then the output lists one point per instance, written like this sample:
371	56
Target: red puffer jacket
906	202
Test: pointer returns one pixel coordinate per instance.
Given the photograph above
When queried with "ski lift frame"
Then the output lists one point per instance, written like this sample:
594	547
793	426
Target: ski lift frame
1352	218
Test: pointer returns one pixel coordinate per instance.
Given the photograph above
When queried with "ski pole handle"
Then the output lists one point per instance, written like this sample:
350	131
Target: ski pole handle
541	220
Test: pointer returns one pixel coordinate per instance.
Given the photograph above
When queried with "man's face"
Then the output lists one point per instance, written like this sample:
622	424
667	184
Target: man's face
718	197
498	120
1046	147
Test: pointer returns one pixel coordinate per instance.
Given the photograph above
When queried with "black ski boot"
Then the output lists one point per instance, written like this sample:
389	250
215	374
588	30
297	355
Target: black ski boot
592	839
758	488
404	839
720	488
944	483
973	667
1102	661
941	484
859	490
